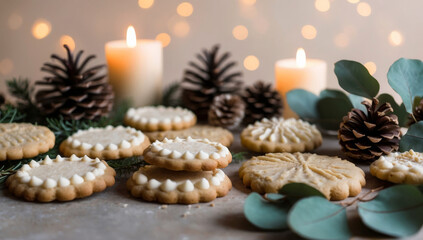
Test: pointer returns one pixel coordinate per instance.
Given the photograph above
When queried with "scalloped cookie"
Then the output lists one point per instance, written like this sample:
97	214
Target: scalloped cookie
61	179
281	135
214	134
106	143
188	154
155	184
24	140
406	167
335	178
159	118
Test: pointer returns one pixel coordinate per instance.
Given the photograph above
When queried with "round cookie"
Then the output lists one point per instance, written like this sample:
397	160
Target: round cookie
155	184
214	134
61	179
24	140
106	143
159	118
335	178
281	135
406	167
188	154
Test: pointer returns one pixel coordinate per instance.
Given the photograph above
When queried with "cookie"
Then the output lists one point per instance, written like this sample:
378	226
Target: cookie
156	184
61	179
188	154
159	118
214	134
106	143
335	178
281	135
406	167
24	140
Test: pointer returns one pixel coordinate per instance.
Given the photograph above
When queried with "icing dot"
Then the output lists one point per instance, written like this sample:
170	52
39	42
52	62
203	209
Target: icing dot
86	146
175	154
59	158
140	178
98	172
177	119
109	127
25	179
165	140
49	183
215	156
187	186
34	164
21	174
168	185
74	158
154	121
165	152
215	181
400	168
135	142
63	182
155	148
89	176
188	155
26	167
202	155
47	160
69	140
153	184
101	166
112	146
98	147
203	184
76	179
35	181
125	144
76	143
86	159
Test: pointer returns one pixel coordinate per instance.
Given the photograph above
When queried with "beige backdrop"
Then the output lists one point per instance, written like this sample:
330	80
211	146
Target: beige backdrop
274	32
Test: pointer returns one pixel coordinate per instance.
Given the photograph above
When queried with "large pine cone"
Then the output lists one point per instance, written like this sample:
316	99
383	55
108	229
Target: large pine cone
369	136
210	78
417	113
262	101
73	91
226	111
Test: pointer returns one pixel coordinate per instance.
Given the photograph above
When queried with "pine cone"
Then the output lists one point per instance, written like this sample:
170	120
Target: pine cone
226	111
262	101
208	79
367	137
72	91
418	114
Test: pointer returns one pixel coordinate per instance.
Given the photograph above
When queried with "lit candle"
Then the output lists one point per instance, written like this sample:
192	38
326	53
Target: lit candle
135	69
308	74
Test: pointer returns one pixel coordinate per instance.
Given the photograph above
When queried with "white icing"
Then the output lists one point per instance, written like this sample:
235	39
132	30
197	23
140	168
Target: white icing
203	184
165	152
47	161
49	183
153	184
101	165
76	179
188	155
140	178
34	164
25	179
76	143
98	147
124	144
215	156
35	181
175	154
58	158
407	161
168	186
89	176
87	159
215	181
26	167
112	147
160	114
86	146
202	155
187	186
63	182
74	158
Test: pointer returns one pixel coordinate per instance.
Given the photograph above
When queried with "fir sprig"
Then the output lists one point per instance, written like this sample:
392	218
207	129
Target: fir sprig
10	114
7	169
239	157
21	90
126	165
171	95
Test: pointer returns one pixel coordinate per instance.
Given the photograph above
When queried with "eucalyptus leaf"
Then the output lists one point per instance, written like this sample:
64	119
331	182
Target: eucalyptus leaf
406	78
303	103
299	190
331	111
333	93
413	139
354	78
399	110
396	211
356	102
274	197
266	214
317	218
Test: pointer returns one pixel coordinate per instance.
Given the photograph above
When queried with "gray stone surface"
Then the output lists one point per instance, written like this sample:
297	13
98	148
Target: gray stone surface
114	214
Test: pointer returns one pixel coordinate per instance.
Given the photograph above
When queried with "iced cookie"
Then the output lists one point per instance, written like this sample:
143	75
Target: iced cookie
24	140
214	134
406	167
188	154
281	135
61	179
106	143
155	184
335	178
160	118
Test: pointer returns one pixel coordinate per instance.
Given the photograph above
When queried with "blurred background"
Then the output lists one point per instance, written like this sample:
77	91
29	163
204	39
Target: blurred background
256	32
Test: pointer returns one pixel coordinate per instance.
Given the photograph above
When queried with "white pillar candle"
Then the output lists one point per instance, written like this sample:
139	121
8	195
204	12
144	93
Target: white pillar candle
308	74
135	69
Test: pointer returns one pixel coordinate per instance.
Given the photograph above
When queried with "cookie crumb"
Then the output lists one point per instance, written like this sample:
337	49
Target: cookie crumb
185	214
211	205
164	206
197	206
125	205
189	206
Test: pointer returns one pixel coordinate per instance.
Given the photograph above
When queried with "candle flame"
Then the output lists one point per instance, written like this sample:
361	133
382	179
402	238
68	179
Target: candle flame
131	37
301	58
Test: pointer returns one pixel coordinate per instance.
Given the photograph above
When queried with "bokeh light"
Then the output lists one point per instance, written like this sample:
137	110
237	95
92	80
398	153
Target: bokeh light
41	29
308	32
181	28
395	38
353	1
184	9
251	63
364	9
240	32
164	38
371	67
68	40
6	66
341	40
145	3
248	2
322	5
14	21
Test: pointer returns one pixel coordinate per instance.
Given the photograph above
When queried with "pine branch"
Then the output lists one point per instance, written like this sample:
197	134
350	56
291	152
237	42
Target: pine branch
11	114
21	89
239	157
119	110
127	165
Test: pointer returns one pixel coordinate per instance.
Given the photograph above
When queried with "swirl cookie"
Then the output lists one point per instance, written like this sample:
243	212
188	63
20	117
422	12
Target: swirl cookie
155	184
24	140
159	118
281	135
335	178
61	179
406	167
106	143
214	134
188	154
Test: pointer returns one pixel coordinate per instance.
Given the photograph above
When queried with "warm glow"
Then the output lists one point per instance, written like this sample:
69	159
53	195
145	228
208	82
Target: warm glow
41	29
353	1
181	29
6	66
301	58
395	38
251	63
322	5
131	37
164	38
184	9
371	67
14	21
68	40
364	9
240	32
248	2
145	3
341	40
309	32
